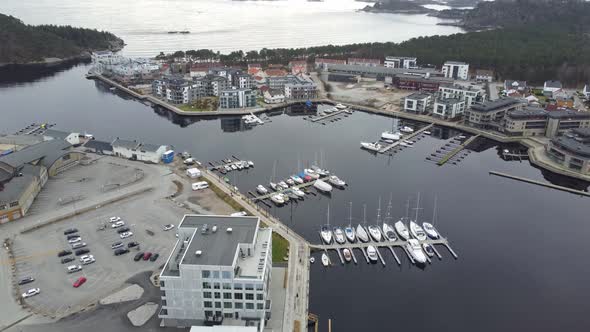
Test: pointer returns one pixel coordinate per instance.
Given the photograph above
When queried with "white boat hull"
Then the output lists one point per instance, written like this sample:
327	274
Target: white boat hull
417	231
402	230
362	234
350	234
322	186
415	250
372	253
375	233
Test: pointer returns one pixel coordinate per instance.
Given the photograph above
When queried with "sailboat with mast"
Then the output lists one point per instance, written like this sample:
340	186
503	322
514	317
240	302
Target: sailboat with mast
400	226
373	229
349	230
429	227
272	184
388	231
415	228
394	134
325	232
361	233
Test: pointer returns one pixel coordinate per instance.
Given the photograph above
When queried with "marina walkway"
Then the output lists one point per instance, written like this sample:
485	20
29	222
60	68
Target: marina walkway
540	183
300	186
414	134
456	150
328	115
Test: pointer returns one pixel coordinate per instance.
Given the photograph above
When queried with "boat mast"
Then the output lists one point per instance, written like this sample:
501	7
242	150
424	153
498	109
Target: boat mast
434	211
388	215
364	214
328	216
407	209
379	211
417	207
350	215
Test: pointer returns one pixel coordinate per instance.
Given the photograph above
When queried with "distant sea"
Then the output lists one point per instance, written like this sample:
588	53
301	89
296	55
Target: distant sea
225	25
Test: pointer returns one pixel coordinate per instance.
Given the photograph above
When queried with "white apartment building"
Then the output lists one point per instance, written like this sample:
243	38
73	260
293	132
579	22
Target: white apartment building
586	91
448	108
218	272
470	94
417	103
400	62
456	70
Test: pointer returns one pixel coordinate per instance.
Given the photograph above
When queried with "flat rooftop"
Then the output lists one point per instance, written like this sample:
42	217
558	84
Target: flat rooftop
217	248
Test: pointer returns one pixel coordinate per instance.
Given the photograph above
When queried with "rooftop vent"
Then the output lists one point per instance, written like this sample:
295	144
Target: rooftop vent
198	252
229	230
214	229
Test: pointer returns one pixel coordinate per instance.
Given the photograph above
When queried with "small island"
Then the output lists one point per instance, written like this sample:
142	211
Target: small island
24	44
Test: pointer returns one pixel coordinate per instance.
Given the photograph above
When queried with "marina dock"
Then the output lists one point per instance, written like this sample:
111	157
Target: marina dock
414	134
540	183
328	115
456	150
300	186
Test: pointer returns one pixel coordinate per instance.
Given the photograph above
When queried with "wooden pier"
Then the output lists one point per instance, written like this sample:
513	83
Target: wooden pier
327	115
456	150
414	134
543	184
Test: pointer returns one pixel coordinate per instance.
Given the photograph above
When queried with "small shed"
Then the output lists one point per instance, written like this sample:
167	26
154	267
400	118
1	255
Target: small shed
193	173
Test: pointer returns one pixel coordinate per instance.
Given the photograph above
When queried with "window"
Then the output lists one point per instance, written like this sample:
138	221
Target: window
218	313
216	285
228	315
163	302
259	306
258	286
226	274
227	296
249	296
66	157
239	305
238	286
207	304
227	305
207	295
238	296
208	313
206	274
217	295
162	283
226	285
206	285
216	274
249	305
217	304
249	286
259	297
13	204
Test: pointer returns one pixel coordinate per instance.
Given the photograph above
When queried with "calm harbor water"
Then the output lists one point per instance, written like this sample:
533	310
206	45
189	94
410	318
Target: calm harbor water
225	25
522	248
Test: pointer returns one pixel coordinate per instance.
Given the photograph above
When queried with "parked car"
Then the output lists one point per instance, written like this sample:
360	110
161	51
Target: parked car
26	280
31	292
64	253
147	256
89	259
121	251
78	245
168	227
239	214
67	260
80	252
154	257
70	231
138	256
114	219
132	244
125	235
74	268
74	240
118	224
86	257
72	236
123	230
79	282
116	245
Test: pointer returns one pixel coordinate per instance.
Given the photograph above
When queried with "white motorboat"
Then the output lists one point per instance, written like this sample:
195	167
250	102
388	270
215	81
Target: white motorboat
298	192
428	249
290	194
261	189
233	166
297	179
388	232
285	197
325	259
389	141
274	186
277	199
336	181
290	181
415	250
405	144
240	166
430	230
340	106
283	185
426	132
417	231
326	235
406	129
227	168
245	164
339	235
310	172
312	260
330	110
394	136
402	230
372	253
375	233
349	232
371	146
361	233
250	163
322	186
408	142
347	254
320	171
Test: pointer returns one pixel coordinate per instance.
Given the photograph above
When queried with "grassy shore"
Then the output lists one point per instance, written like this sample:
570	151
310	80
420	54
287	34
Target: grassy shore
280	248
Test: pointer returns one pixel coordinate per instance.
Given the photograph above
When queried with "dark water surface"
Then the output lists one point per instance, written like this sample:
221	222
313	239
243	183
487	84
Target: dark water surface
522	248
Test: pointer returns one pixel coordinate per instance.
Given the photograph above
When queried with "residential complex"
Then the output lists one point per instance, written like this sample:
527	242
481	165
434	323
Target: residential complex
571	150
294	87
448	108
218	272
418	103
237	98
456	70
489	114
400	62
469	93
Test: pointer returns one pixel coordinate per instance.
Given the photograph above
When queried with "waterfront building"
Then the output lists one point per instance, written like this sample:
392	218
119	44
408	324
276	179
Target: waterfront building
560	121
417	83
273	97
218	273
484	75
528	121
72	138
209	86
571	150
448	108
300	88
400	62
237	98
418	103
174	89
469	93
138	151
490	114
364	62
242	80
549	87
298	67
123	68
456	70
23	174
99	147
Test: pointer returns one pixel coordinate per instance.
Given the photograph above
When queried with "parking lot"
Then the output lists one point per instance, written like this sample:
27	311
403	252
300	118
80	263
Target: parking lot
36	253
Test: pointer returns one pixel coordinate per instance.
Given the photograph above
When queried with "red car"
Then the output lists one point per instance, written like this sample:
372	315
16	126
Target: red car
147	256
79	282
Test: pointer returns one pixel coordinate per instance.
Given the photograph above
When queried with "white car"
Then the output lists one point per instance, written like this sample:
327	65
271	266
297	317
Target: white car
75	240
114	219
31	292
239	214
86	257
89	260
168	227
74	268
126	235
118	224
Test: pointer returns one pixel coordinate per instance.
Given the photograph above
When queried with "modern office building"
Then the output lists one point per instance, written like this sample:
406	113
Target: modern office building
400	62
237	98
456	70
218	272
418	103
